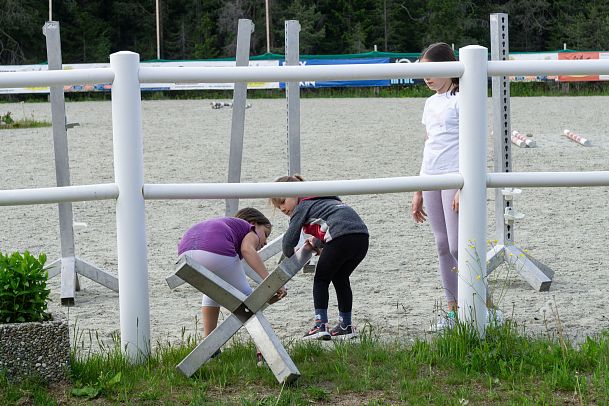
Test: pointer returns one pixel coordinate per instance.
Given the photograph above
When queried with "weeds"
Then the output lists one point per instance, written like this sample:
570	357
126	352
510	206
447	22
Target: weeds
456	367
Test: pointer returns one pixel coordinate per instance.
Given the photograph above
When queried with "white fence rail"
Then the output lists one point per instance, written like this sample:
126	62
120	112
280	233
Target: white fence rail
130	190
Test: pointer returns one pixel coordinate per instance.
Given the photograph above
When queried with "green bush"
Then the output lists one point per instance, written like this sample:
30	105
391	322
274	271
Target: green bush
23	288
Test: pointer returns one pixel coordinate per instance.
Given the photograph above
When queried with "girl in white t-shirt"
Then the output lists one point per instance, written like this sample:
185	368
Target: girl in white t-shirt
440	156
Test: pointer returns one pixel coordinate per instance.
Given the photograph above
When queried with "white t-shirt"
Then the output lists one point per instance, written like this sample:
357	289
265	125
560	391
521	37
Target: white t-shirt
441	120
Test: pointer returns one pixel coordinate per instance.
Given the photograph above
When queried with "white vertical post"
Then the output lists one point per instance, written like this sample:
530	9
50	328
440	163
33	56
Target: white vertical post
245	28
292	58
472	206
69	279
130	215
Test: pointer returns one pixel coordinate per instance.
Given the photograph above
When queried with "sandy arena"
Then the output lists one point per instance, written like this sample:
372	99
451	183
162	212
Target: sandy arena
397	287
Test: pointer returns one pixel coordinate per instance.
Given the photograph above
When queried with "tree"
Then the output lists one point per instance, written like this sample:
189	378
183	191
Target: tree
21	39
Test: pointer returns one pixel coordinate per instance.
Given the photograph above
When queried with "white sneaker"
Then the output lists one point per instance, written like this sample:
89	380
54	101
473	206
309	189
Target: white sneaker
494	317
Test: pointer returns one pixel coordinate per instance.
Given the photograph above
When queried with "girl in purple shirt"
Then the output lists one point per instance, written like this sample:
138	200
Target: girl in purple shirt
219	245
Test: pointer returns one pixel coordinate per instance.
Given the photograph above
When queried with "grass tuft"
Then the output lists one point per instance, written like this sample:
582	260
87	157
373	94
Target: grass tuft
456	367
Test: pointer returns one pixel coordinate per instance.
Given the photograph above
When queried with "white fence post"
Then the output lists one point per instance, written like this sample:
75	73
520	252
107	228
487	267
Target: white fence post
472	165
130	215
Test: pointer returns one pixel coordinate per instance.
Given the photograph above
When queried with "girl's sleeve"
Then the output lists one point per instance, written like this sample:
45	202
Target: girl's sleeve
292	234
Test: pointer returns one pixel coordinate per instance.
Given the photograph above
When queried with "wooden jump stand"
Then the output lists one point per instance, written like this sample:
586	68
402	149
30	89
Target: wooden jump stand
69	265
245	311
538	275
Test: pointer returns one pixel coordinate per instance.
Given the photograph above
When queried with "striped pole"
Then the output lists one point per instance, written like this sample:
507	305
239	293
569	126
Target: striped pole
577	138
520	136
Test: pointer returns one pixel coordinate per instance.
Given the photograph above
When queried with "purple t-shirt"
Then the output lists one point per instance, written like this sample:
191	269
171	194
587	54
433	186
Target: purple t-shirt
221	236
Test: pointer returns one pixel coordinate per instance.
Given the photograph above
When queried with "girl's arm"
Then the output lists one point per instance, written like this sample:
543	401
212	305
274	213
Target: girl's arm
249	251
292	234
455	203
418	213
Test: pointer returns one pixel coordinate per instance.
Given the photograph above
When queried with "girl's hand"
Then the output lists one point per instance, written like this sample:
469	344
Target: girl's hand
418	214
310	245
455	203
281	293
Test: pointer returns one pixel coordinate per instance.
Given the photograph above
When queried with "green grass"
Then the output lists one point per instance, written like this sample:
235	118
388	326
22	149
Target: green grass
25	123
505	368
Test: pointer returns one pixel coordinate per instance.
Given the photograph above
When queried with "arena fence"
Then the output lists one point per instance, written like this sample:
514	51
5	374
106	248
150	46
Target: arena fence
130	191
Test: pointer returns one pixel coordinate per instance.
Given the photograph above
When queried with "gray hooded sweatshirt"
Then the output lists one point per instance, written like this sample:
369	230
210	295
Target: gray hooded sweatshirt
325	218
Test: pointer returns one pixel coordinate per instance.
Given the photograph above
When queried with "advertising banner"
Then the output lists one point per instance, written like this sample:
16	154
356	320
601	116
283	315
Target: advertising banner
341	83
104	87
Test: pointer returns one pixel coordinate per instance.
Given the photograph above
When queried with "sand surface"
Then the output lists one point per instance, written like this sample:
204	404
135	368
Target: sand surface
396	288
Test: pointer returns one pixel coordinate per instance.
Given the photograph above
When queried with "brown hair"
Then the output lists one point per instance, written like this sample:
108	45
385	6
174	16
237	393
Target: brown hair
276	201
253	216
441	52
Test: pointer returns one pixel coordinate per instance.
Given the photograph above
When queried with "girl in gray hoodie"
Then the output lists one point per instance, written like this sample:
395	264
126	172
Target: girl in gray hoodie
341	238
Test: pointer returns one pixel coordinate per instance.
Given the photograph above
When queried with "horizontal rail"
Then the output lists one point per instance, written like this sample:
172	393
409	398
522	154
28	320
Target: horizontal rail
579	67
313	188
82	193
301	73
56	77
109	191
547	179
236	74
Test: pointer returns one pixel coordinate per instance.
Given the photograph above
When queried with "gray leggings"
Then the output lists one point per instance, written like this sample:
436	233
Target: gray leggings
445	226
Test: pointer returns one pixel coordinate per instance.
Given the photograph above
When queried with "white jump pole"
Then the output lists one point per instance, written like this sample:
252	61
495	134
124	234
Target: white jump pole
472	206
130	215
577	138
527	141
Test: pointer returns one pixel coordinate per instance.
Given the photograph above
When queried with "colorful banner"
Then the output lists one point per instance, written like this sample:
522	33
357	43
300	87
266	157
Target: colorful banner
406	81
577	56
341	83
541	56
144	86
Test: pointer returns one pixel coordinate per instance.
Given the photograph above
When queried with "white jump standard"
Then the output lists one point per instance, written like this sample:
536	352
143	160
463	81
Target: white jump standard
538	275
69	265
245	311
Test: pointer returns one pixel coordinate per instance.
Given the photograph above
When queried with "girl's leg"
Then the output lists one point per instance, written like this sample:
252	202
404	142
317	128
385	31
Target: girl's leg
451	219
230	270
210	318
338	260
434	204
353	248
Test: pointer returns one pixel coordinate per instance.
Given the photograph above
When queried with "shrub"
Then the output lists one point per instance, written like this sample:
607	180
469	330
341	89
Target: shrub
23	288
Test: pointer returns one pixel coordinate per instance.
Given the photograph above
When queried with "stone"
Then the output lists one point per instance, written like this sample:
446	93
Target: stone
38	350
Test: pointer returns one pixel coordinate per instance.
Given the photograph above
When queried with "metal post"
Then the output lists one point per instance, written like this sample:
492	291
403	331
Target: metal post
242	58
472	207
501	123
158	30
268	26
538	275
292	58
69	279
130	215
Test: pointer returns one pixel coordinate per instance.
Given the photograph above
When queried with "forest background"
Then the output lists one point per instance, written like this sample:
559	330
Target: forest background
205	29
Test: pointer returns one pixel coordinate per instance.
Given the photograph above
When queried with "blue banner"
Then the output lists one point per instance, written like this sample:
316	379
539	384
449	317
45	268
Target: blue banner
341	83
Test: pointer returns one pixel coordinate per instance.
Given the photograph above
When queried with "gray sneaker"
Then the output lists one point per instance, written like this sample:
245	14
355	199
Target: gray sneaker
318	332
446	321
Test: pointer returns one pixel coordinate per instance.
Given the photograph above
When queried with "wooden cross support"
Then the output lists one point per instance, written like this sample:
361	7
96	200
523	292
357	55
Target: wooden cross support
245	311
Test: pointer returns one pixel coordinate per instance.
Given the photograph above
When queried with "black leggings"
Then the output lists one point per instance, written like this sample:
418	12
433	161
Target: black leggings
337	261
